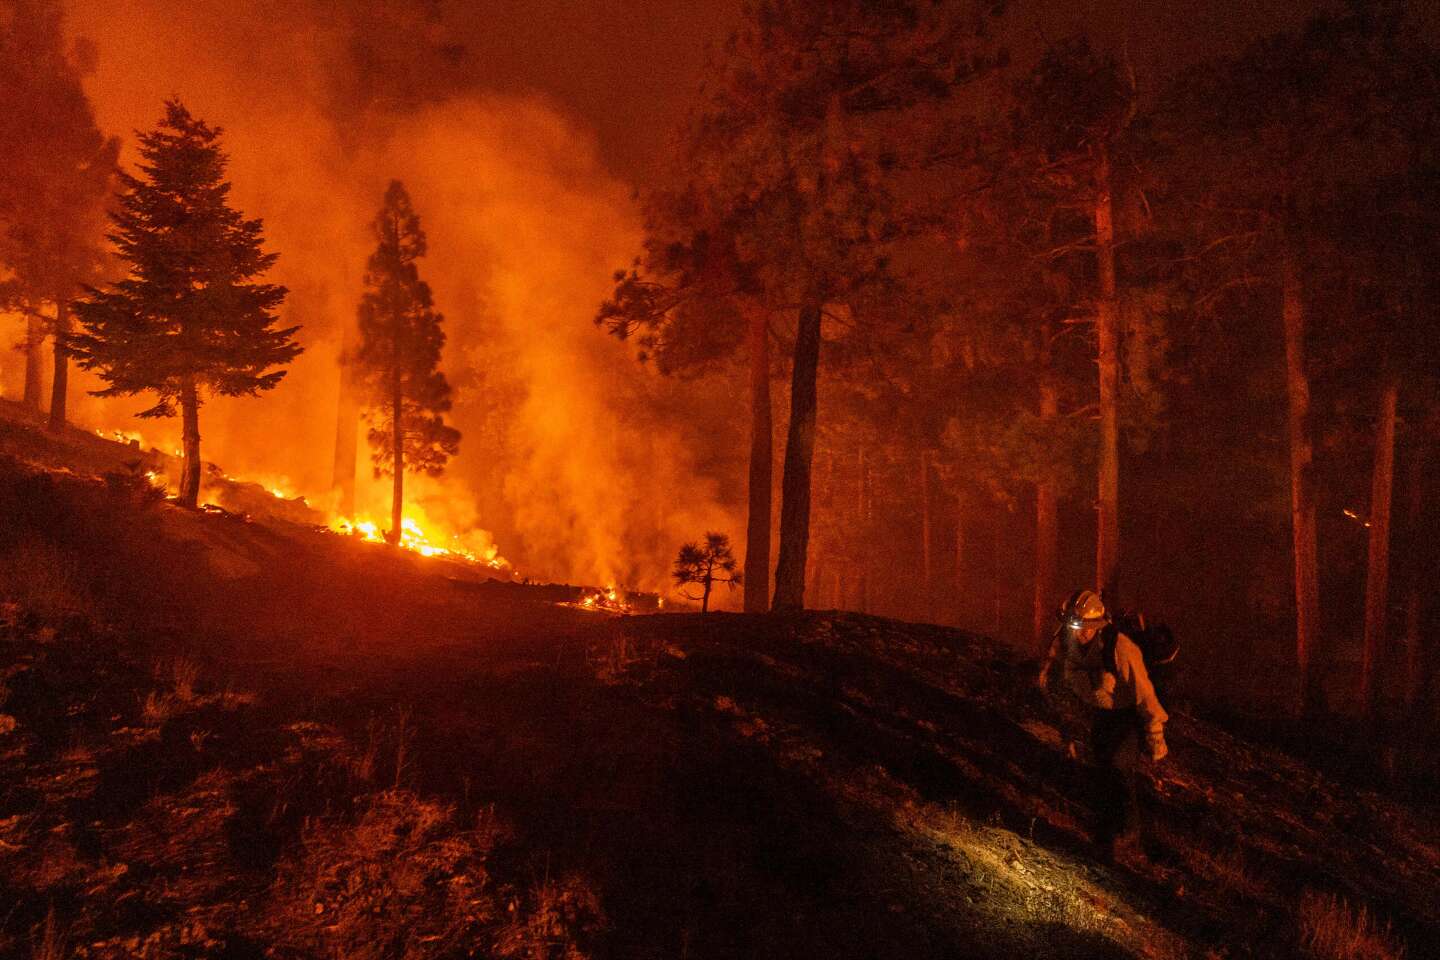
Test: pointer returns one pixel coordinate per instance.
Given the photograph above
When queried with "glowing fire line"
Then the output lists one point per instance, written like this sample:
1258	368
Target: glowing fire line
412	536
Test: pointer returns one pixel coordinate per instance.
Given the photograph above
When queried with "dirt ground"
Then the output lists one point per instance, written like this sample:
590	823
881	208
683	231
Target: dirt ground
252	739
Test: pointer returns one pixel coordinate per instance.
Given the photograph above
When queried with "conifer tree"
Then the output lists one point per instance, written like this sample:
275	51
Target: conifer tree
706	565
399	356
786	209
192	317
59	172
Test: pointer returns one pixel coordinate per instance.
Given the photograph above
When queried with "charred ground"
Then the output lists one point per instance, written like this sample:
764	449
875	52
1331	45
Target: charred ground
244	739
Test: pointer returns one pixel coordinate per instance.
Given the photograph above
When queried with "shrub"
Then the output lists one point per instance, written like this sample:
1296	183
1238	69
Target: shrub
1331	929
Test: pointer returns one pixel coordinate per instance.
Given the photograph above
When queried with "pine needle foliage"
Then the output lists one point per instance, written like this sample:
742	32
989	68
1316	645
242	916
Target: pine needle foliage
398	359
706	564
192	316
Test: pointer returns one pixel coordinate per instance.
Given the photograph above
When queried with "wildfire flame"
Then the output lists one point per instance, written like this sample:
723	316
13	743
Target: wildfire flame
128	437
412	537
609	600
475	548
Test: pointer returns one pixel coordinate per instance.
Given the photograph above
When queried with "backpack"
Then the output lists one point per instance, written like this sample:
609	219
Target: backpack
1157	643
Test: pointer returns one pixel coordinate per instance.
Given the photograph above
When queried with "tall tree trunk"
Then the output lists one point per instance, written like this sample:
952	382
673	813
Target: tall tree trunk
799	451
927	574
1047	530
34	361
190	440
397	439
60	382
347	424
1377	575
961	606
757	531
1416	579
861	531
997	587
1107	324
1302	492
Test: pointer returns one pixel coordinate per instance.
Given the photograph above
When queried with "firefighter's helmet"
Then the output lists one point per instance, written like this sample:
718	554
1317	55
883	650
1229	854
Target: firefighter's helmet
1084	609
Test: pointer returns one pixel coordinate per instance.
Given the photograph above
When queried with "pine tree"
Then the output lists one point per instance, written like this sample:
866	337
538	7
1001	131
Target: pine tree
787	203
59	172
706	565
192	317
398	356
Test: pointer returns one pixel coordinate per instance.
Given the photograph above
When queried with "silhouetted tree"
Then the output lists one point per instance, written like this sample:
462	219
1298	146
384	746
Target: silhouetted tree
1075	111
788	154
1313	121
399	356
59	173
706	565
191	317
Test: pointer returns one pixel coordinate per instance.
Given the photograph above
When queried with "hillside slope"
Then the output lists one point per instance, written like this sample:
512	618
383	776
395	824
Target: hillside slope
239	739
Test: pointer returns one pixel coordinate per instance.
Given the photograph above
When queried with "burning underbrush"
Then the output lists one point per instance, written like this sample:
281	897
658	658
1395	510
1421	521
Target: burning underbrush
274	496
472	548
615	601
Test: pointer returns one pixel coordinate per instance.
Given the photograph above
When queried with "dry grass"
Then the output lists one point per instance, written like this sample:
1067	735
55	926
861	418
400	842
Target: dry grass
157	707
398	881
180	675
39	577
554	921
1331	929
184	673
48	942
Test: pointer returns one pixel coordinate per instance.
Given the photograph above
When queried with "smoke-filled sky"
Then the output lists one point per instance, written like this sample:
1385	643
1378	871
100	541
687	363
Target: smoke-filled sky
516	136
521	130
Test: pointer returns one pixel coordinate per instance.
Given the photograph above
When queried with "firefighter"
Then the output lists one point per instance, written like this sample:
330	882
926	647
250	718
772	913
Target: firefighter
1105	670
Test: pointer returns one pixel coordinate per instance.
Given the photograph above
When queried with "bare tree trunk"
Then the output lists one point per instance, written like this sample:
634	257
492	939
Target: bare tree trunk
1377	576
347	423
927	574
799	452
34	341
190	439
1416	580
1047	531
862	529
1302	493
757	532
997	589
60	382
1107	323
960	605
397	438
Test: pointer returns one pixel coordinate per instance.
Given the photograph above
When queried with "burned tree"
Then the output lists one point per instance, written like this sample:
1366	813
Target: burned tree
706	565
399	356
192	317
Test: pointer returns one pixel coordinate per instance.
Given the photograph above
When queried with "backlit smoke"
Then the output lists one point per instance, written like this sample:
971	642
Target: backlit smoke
563	459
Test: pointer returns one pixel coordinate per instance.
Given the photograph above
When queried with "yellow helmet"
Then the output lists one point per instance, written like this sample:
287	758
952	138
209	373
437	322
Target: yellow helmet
1084	609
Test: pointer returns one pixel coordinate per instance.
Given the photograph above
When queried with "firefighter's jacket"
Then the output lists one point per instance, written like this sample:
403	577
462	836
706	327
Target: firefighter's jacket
1088	676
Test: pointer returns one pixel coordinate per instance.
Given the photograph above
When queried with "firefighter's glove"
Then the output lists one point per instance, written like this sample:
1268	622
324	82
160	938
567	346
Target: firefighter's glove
1158	750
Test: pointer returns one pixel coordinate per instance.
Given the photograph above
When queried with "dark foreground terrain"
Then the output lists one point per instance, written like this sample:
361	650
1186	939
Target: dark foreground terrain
222	738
